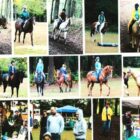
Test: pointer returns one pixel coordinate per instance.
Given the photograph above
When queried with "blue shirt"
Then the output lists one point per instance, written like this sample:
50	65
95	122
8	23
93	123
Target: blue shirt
55	124
97	66
24	15
12	70
39	67
63	70
137	15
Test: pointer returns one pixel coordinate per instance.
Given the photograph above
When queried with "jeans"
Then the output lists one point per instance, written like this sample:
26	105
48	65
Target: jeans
127	134
106	126
55	136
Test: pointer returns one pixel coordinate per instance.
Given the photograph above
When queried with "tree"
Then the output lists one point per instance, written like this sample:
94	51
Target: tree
56	9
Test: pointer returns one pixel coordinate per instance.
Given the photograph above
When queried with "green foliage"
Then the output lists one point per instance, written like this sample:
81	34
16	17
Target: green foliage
36	7
31	79
75	76
131	62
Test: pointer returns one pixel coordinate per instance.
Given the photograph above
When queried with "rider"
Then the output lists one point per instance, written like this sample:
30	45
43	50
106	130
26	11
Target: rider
63	71
12	70
40	68
135	17
101	22
97	67
62	17
24	15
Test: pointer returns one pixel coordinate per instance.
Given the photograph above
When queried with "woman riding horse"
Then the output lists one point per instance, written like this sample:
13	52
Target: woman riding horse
103	79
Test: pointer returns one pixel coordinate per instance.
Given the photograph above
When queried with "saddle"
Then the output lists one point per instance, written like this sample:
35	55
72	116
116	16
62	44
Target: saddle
39	78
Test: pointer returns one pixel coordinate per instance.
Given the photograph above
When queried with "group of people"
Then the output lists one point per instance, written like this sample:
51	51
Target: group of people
52	126
13	126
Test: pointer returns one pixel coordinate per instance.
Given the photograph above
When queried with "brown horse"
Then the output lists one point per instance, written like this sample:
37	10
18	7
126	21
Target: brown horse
136	77
28	28
103	79
93	30
61	80
136	36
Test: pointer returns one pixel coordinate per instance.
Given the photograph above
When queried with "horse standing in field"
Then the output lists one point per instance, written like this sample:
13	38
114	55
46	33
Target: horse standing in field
39	80
61	80
103	79
136	36
14	81
93	31
63	28
27	28
136	77
3	22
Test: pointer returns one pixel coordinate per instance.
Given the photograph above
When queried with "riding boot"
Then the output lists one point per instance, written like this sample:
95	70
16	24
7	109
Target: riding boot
130	26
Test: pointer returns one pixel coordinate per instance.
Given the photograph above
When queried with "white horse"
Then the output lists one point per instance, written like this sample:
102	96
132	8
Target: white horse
102	31
64	26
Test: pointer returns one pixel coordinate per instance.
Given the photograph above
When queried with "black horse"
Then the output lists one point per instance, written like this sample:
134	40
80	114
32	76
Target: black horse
12	82
28	28
3	22
39	80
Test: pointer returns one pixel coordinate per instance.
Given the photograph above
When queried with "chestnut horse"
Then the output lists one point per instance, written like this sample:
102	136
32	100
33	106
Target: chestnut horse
61	80
136	77
103	79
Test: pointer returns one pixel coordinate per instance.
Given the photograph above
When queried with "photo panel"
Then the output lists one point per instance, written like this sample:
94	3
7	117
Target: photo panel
131	76
61	119
14	119
5	27
106	119
101	75
101	26
30	27
55	76
65	19
130	119
13	77
129	25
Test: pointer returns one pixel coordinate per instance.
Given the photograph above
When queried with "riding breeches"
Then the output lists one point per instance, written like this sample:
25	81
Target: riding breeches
102	26
96	26
130	24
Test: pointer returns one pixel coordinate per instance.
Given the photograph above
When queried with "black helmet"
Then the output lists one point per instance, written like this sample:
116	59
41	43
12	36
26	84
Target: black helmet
136	5
102	12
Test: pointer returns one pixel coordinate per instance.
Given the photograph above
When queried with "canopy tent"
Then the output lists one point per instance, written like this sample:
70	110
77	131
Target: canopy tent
67	109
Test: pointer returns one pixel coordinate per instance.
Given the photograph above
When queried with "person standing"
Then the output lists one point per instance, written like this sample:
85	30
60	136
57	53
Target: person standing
55	124
106	118
43	124
80	126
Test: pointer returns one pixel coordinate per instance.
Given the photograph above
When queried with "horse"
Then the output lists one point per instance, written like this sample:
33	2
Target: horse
28	28
61	80
126	85
102	32
63	27
136	77
103	79
39	80
136	35
3	22
14	82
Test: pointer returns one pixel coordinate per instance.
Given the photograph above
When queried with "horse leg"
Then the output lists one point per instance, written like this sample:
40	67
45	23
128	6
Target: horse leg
19	36
32	39
108	88
12	89
17	91
91	87
101	88
66	86
24	37
15	35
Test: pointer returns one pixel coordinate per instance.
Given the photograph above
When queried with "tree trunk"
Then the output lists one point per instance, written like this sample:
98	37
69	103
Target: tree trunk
116	107
52	11
101	105
68	11
51	70
95	106
56	9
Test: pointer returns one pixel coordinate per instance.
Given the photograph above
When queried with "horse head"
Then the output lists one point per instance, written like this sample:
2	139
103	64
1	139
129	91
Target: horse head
32	20
3	22
108	70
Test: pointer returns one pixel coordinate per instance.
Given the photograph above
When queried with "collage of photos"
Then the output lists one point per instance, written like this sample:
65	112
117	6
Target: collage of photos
69	70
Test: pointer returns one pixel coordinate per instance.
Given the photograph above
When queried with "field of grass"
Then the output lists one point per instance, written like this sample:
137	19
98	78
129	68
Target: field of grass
40	41
115	88
92	47
66	135
53	91
132	90
22	90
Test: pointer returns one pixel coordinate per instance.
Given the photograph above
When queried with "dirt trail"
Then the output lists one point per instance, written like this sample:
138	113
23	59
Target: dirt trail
5	40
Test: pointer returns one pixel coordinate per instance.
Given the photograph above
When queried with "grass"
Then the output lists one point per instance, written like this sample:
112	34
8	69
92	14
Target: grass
115	88
40	41
92	47
22	90
66	135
